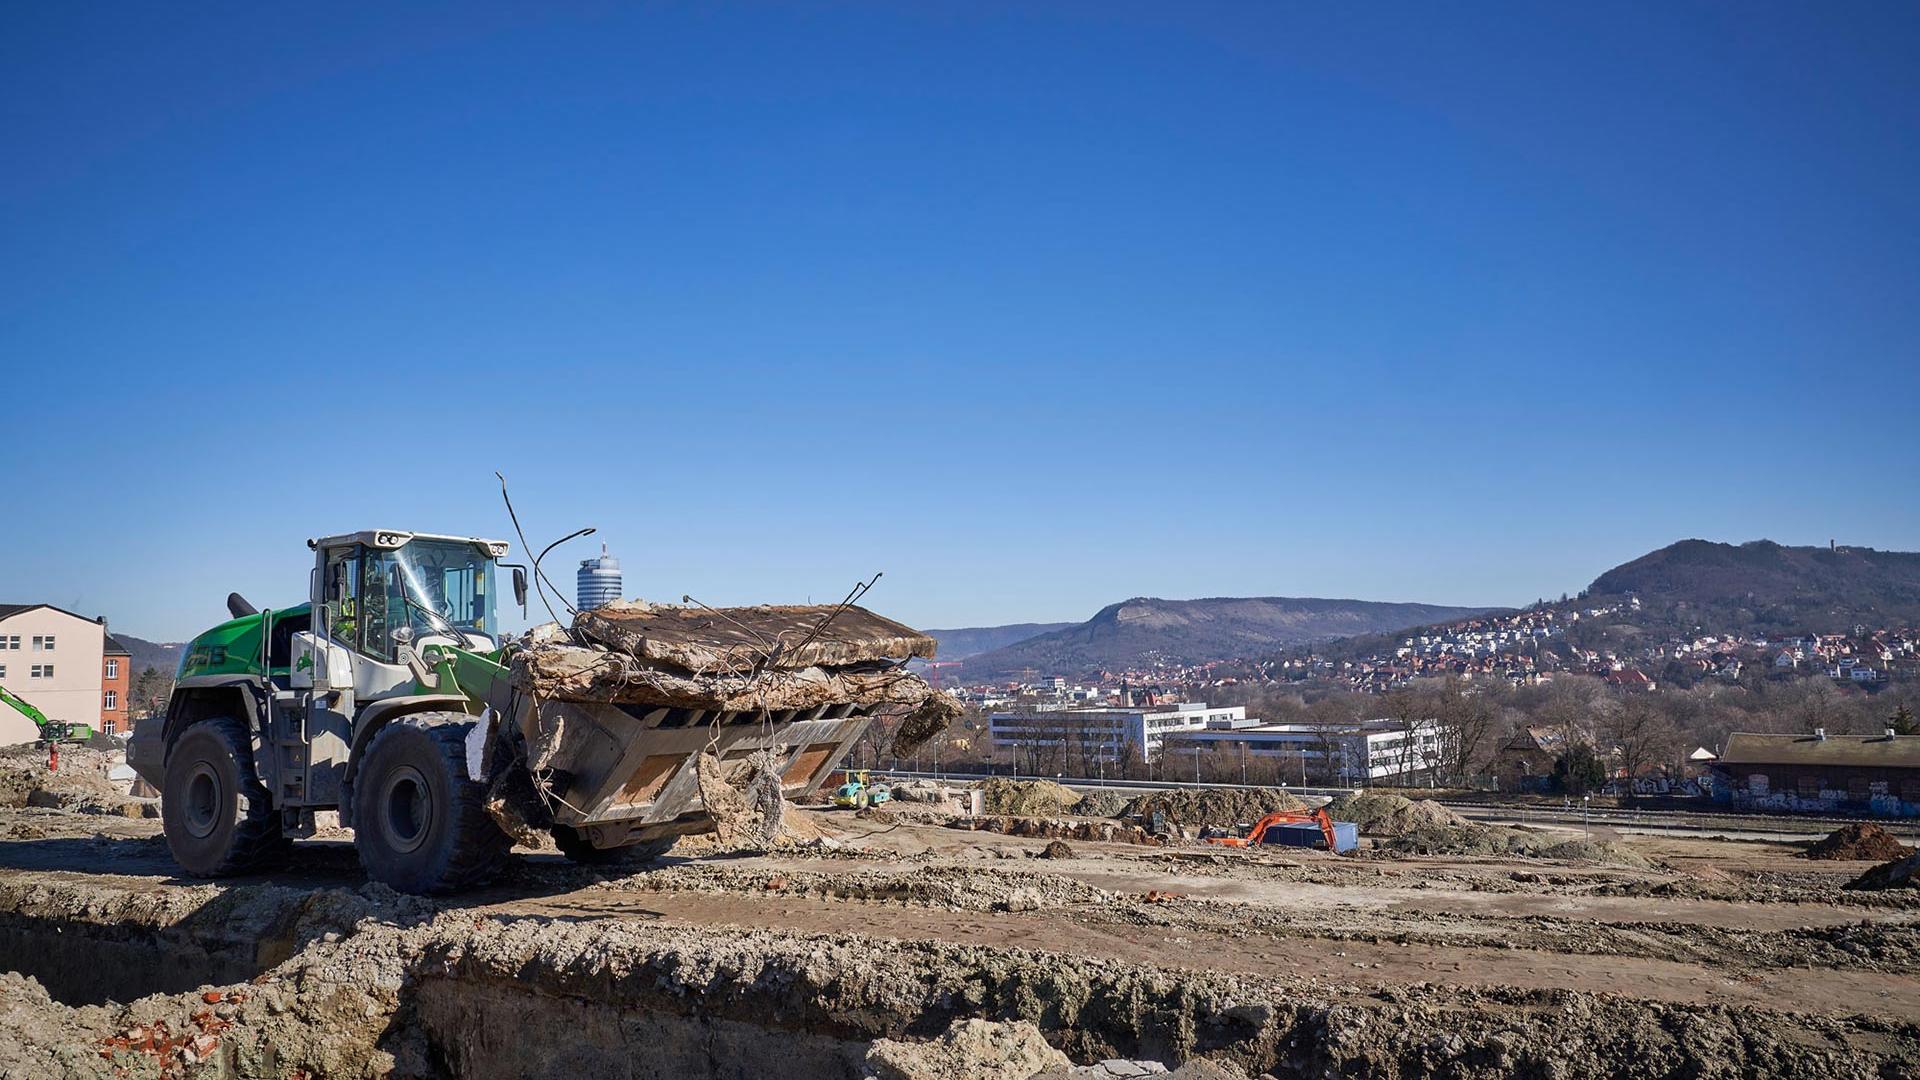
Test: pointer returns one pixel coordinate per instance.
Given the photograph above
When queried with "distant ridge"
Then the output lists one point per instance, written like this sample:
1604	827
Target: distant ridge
973	640
1822	589
1137	632
144	654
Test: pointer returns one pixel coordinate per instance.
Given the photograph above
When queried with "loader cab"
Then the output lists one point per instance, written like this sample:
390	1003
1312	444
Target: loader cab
378	591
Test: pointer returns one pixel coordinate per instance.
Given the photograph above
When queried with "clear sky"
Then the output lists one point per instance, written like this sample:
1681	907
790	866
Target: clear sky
1033	306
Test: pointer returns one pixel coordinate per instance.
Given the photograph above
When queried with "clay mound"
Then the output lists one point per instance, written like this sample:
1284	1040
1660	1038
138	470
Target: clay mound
1223	807
1898	874
1860	841
1385	815
1026	798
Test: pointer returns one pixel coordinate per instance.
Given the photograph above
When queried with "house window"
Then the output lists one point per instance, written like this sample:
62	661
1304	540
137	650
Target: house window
1809	787
3	671
10	641
110	700
43	643
40	671
113	669
109	726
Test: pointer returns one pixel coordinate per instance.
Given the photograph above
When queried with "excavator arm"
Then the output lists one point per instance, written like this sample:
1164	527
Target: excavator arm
50	729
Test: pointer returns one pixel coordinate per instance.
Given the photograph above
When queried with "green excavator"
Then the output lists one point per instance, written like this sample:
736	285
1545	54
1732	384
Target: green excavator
50	730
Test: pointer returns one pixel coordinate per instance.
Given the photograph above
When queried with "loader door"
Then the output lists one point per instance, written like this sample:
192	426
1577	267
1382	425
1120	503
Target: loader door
320	721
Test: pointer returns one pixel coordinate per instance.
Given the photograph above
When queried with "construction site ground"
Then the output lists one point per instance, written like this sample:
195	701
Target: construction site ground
1718	957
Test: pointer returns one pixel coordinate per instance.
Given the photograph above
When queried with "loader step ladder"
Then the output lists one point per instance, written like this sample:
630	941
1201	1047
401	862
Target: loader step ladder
287	730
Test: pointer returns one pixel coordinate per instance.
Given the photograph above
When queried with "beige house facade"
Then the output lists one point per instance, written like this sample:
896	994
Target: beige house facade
54	660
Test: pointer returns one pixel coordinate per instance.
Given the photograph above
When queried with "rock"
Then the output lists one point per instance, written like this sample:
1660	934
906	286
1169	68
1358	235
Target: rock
1206	1069
41	797
1056	850
1900	873
971	1049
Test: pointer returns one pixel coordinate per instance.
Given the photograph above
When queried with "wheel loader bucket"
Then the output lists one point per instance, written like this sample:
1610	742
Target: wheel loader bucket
614	715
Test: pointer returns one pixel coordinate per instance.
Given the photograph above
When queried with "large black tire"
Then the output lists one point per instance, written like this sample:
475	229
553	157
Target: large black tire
581	850
218	817
419	823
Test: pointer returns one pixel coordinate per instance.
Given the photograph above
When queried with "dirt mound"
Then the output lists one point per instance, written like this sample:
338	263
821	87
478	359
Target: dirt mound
1898	874
80	783
970	1049
1056	849
1860	840
1224	807
1101	804
1471	839
920	791
1026	798
1385	815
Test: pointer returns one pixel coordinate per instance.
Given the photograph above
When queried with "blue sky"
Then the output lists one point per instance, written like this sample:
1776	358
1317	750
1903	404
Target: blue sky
1034	307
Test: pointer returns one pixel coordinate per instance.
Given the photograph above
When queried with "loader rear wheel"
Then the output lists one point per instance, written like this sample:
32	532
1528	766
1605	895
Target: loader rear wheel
575	846
218	817
420	824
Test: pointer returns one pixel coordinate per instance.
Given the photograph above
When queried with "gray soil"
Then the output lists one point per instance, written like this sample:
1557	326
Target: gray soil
904	949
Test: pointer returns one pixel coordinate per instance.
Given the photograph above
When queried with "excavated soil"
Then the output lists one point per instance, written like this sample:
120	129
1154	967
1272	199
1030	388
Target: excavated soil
1218	807
1468	838
1387	815
1859	841
905	950
80	783
1026	798
1102	804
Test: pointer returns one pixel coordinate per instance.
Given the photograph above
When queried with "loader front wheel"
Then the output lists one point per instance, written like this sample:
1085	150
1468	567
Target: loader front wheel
218	817
419	823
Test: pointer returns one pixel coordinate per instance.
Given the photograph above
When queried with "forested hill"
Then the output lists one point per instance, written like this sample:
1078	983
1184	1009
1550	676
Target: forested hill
1763	584
1141	631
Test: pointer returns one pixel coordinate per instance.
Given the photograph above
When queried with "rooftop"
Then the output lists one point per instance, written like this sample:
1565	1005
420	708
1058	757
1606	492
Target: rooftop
1750	748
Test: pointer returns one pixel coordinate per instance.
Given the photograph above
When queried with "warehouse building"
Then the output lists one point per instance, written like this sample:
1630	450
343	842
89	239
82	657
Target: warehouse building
1876	774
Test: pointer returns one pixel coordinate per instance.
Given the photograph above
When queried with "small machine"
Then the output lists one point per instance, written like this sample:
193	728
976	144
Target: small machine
1258	834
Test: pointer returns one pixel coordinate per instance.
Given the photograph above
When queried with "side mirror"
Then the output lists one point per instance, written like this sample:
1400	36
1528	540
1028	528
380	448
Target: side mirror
520	588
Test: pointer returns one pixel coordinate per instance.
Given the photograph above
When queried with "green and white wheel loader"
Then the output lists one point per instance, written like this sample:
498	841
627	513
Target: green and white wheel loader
391	697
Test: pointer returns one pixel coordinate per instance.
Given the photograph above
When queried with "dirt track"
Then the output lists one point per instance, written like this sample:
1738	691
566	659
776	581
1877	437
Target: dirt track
1384	963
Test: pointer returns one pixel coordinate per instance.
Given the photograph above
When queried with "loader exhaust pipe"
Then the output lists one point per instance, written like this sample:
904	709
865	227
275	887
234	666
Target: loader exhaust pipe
238	607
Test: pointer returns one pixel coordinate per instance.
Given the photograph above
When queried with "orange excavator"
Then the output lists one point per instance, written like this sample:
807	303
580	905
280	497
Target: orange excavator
1258	834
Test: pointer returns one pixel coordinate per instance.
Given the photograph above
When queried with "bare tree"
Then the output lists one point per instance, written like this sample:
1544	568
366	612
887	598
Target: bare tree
1639	734
1465	725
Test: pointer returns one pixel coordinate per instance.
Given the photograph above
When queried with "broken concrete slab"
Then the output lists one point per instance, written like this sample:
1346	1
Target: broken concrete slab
700	639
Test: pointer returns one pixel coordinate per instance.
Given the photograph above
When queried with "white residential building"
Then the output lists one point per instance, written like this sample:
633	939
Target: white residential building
57	661
1373	751
1109	734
